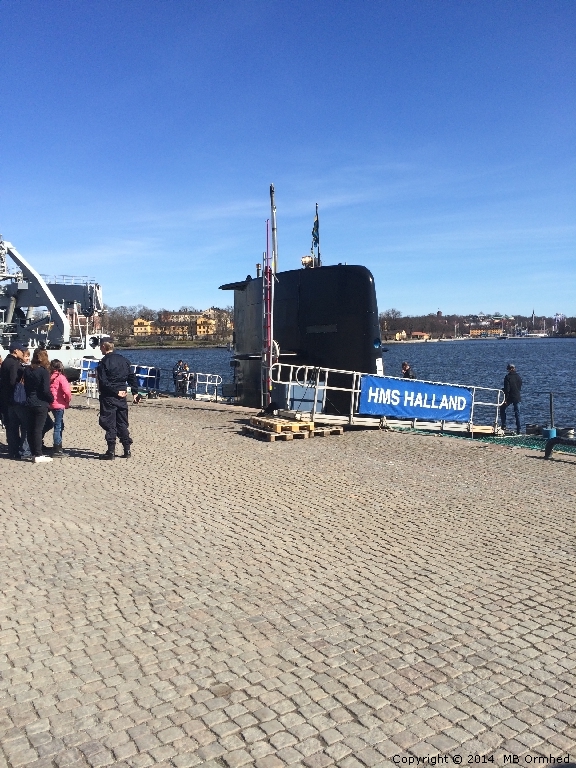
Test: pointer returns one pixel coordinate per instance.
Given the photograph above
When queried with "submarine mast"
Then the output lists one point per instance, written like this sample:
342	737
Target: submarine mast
268	279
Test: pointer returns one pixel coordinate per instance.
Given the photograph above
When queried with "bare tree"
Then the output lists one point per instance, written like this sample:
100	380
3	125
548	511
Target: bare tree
223	318
389	320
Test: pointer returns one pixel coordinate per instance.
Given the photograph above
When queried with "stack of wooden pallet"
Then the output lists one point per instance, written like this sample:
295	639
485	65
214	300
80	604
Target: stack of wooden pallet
272	428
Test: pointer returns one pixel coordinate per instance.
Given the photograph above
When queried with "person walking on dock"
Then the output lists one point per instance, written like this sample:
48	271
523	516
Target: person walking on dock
512	396
113	375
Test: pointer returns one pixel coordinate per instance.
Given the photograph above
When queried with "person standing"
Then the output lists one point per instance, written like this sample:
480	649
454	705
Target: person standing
62	395
178	376
113	375
10	374
38	401
407	372
22	412
512	396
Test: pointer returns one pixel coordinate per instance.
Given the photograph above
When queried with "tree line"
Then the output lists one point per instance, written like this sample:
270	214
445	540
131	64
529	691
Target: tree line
438	325
119	321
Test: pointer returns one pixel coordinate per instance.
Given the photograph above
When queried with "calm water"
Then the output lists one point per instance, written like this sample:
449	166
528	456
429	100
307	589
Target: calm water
545	365
199	361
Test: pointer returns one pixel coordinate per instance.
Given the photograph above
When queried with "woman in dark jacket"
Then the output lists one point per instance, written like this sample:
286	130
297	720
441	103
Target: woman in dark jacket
38	401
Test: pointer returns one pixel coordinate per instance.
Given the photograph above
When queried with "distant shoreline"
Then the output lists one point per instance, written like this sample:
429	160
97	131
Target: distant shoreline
170	346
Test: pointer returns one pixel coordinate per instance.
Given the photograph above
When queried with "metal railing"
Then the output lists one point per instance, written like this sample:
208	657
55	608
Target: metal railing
202	386
332	396
147	376
68	279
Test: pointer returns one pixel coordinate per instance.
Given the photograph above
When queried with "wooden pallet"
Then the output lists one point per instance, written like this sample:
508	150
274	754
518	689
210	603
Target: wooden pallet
295	415
281	425
482	430
271	437
326	431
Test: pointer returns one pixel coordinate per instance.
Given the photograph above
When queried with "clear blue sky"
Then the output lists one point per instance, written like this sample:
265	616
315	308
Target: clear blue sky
138	140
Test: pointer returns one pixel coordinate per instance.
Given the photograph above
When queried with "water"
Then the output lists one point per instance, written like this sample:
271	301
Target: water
199	361
545	365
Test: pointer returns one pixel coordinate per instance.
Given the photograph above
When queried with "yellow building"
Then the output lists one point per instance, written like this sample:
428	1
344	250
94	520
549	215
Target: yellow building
175	324
176	329
205	326
179	317
485	332
144	327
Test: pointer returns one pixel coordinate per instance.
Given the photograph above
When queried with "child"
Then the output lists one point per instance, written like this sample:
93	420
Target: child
60	389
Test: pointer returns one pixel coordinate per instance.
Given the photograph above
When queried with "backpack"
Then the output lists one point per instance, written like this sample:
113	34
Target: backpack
19	393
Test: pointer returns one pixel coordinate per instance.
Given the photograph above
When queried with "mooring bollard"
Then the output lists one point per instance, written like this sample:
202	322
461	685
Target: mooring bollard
551	431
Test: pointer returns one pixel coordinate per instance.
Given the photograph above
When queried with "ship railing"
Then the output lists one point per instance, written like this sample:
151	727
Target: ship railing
332	396
68	279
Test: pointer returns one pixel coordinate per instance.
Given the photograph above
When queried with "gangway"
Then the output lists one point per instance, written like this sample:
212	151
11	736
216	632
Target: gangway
332	396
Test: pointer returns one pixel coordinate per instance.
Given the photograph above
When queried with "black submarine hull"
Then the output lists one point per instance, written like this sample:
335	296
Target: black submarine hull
325	317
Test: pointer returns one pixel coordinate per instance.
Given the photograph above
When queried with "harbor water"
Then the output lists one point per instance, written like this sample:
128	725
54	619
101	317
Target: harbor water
545	365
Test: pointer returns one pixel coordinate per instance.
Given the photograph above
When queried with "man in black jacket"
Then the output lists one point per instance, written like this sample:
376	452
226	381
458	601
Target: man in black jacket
512	387
10	372
113	374
407	372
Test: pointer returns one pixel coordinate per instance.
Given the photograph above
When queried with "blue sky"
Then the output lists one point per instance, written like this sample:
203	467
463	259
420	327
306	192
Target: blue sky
138	141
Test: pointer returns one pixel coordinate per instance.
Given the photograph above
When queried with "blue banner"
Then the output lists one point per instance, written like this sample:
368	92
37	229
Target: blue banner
411	399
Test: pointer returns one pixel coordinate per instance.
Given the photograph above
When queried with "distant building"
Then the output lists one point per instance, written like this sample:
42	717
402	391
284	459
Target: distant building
180	317
181	330
183	325
143	327
205	326
485	332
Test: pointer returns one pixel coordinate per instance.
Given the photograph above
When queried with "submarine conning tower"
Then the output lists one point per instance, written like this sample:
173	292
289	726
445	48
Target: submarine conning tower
325	317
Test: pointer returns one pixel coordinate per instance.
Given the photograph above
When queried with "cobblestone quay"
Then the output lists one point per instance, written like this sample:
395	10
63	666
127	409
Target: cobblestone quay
348	601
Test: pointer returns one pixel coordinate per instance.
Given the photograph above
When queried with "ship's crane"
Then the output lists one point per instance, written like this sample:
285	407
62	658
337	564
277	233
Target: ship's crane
26	288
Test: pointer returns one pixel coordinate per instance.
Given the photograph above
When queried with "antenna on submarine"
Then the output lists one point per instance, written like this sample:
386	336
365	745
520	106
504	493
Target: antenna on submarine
274	233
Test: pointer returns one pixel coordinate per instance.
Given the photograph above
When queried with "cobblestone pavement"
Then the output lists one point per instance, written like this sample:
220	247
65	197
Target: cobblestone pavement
219	601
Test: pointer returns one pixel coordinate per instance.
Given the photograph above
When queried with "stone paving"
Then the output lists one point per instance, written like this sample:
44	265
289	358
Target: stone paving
342	601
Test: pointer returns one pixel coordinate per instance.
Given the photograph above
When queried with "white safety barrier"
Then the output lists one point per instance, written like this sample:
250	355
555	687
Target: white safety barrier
332	396
202	386
88	375
147	376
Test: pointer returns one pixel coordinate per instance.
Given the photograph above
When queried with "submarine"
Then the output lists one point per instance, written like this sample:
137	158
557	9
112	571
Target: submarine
317	316
326	317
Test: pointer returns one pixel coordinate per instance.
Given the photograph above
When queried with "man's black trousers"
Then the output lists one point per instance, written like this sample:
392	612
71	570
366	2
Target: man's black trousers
114	419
